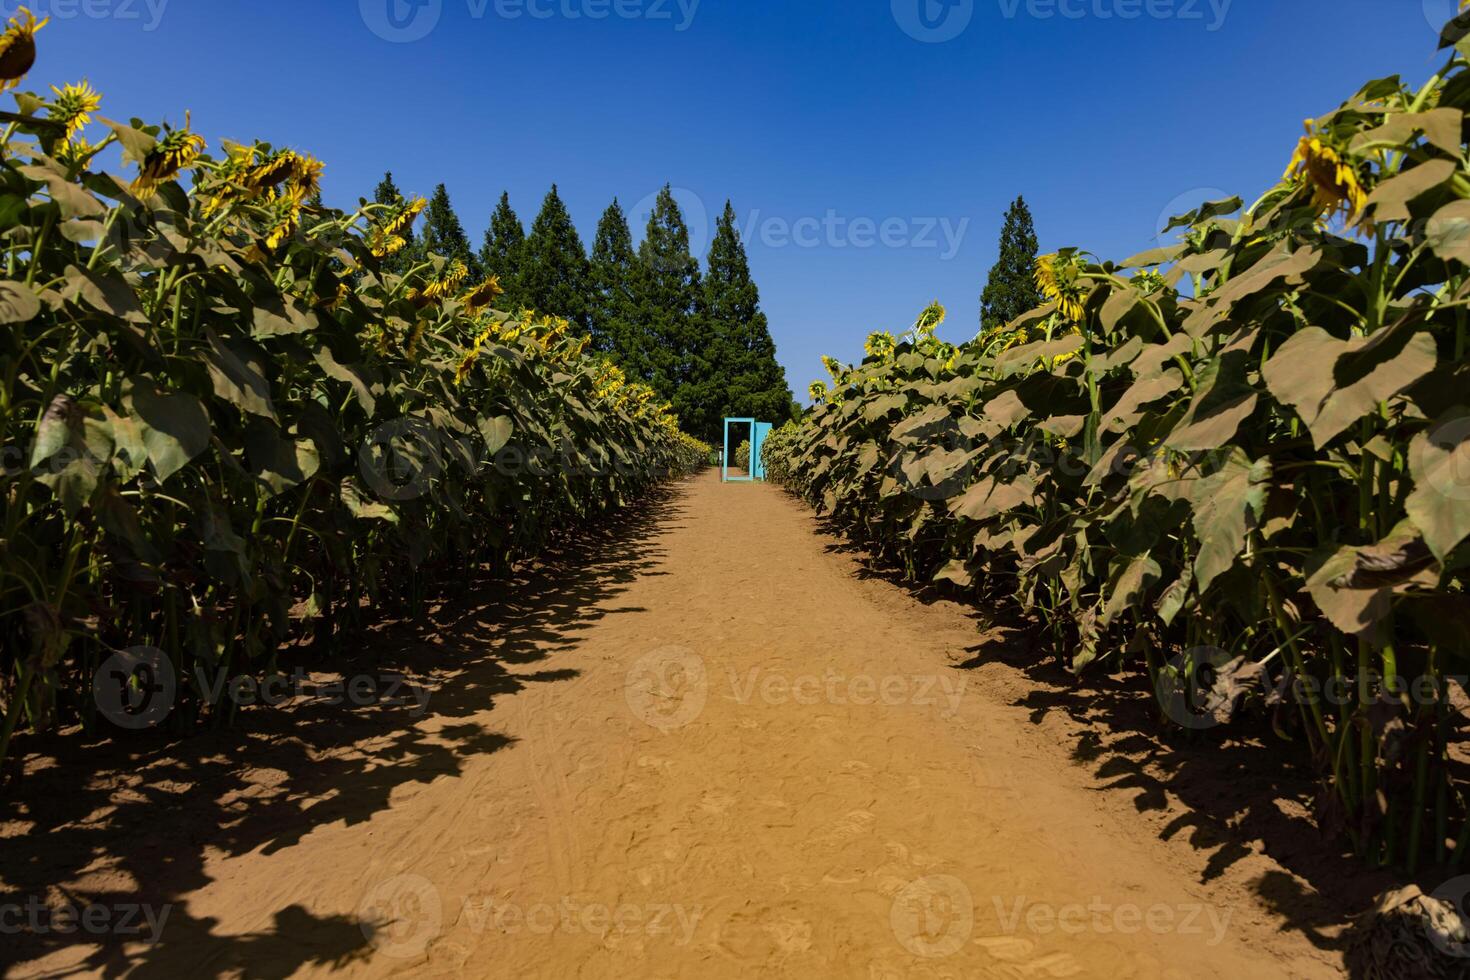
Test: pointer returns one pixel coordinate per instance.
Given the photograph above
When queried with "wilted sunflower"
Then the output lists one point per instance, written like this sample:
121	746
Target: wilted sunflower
930	319
382	244
880	344
1335	184
18	48
1058	278
817	391
472	356
400	222
74	106
286	220
411	349
306	177
833	365
179	149
482	296
447	282
271	171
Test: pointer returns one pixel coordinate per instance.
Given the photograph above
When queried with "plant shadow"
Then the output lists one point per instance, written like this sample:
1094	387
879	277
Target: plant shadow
1229	792
140	813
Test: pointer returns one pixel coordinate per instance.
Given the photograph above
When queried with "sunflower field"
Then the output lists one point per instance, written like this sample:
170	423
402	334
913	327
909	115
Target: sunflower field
228	429
1240	464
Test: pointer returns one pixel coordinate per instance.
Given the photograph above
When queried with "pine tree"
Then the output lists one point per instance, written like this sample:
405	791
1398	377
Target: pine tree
444	235
502	253
554	271
745	379
1012	290
388	193
666	302
612	317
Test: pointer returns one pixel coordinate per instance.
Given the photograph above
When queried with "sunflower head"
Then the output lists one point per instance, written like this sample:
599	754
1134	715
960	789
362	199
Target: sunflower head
880	344
930	319
833	366
1058	276
176	151
1148	281
305	179
382	244
272	171
18	47
1336	186
401	221
817	390
285	219
480	298
74	105
447	281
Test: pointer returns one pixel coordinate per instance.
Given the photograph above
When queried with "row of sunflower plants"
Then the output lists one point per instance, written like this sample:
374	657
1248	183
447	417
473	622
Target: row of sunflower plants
228	428
1240	464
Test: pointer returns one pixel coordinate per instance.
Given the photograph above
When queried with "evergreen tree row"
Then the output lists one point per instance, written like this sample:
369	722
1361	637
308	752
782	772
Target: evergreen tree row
700	340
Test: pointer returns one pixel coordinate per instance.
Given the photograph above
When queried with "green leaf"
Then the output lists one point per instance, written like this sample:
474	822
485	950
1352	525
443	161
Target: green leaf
1333	383
175	426
1227	504
1439	460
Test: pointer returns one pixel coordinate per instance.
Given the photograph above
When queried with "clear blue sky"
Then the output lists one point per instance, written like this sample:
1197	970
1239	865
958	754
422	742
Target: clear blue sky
797	110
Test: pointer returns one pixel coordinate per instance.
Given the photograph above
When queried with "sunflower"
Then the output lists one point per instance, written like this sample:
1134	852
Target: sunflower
382	244
1335	184
75	152
482	296
1058	278
273	170
472	356
1148	281
18	48
74	106
447	282
834	367
930	319
230	177
400	222
880	344
339	297
177	150
817	390
410	350
286	220
306	177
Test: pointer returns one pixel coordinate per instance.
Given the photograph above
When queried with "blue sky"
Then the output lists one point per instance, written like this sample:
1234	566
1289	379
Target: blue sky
870	152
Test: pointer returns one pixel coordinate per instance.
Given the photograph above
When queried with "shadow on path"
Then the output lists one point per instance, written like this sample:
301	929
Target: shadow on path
1239	794
128	822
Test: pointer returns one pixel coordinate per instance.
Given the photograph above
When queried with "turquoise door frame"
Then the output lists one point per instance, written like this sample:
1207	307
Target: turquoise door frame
725	476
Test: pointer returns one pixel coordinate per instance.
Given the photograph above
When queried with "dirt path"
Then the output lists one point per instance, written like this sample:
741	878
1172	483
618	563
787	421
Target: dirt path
741	761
